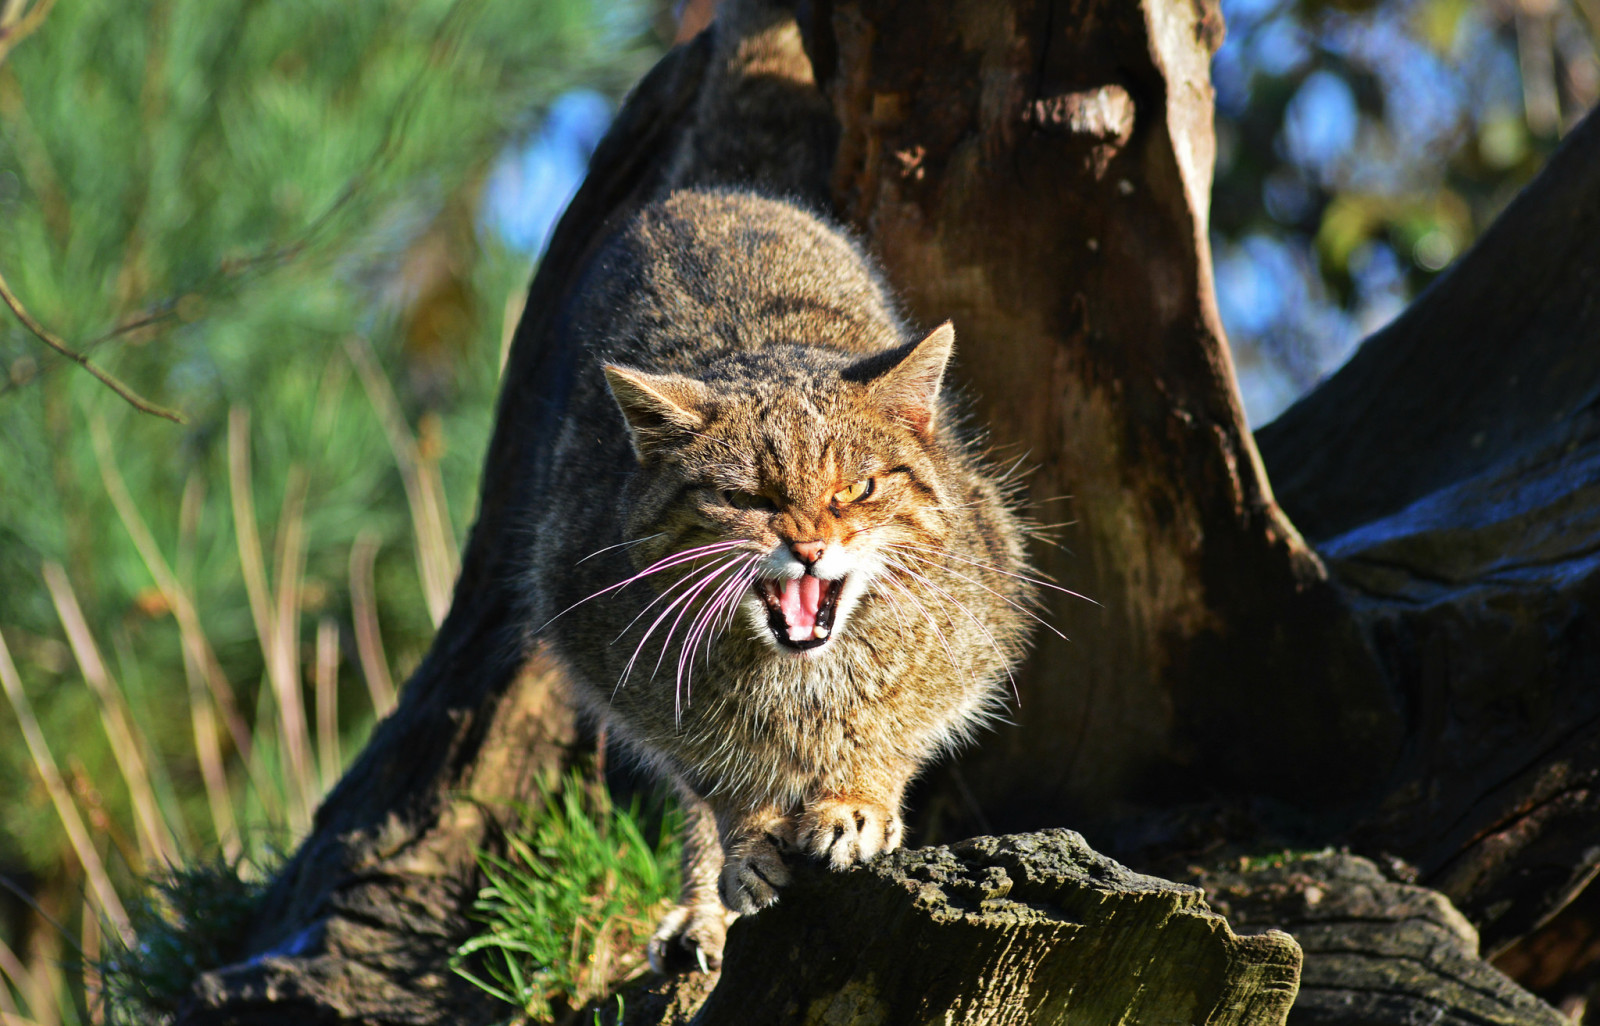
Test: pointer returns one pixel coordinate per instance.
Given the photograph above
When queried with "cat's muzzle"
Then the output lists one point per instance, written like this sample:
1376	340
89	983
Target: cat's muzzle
800	610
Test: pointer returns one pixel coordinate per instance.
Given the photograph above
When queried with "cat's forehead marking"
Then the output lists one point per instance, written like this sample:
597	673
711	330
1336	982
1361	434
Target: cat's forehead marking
797	404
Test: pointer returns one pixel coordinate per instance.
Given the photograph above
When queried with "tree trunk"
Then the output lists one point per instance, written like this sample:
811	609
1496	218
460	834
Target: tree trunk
1421	684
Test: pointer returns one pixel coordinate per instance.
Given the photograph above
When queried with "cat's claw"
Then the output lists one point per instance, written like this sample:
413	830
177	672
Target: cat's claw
843	833
688	937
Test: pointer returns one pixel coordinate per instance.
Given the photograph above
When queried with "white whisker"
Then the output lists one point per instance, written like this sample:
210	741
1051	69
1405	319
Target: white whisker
973	581
996	570
619	545
943	641
975	621
700	630
701	581
676	558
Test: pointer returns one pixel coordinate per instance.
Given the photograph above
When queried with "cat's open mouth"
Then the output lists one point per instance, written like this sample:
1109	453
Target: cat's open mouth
800	610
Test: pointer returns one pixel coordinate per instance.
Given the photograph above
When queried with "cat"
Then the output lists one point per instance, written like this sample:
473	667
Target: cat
776	570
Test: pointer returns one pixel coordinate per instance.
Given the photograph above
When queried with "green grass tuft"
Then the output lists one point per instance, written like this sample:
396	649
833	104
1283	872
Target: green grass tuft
569	907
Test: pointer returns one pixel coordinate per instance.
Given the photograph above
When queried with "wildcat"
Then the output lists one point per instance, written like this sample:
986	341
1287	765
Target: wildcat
776	571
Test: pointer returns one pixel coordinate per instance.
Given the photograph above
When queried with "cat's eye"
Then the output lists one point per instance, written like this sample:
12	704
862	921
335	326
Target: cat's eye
748	500
862	489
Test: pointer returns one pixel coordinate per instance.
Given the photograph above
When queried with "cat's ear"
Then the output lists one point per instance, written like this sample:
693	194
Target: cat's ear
656	406
908	389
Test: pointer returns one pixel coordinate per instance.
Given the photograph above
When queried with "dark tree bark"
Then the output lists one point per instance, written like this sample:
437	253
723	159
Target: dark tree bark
1419	685
1377	950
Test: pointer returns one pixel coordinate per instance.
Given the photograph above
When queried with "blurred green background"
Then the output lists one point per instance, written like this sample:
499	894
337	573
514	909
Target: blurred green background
311	217
307	227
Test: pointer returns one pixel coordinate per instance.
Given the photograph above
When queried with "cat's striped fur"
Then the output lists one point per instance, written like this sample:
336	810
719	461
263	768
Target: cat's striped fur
774	568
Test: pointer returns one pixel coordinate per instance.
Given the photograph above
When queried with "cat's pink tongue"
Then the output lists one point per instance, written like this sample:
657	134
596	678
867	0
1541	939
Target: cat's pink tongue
801	597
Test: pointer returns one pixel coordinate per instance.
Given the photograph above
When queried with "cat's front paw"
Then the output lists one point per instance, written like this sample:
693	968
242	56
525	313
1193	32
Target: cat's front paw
844	832
689	937
753	872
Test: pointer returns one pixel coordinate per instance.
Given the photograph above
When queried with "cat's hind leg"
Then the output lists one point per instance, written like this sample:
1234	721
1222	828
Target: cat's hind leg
691	935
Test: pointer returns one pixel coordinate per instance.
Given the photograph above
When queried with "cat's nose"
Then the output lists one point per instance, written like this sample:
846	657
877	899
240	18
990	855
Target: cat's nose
807	552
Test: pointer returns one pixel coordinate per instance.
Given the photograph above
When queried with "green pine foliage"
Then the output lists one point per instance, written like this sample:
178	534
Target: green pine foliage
264	216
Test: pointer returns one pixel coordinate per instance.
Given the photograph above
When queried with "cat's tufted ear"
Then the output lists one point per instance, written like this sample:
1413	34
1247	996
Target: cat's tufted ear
657	407
908	387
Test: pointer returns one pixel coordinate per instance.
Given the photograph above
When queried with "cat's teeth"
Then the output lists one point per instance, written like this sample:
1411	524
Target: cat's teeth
819	632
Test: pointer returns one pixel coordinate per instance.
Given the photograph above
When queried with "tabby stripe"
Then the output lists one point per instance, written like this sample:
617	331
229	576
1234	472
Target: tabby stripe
916	482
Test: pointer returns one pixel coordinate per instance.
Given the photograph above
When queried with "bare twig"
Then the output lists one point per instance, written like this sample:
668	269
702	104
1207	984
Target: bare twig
49	338
451	26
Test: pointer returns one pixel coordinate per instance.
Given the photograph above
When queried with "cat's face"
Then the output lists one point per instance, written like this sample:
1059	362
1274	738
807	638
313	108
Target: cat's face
787	492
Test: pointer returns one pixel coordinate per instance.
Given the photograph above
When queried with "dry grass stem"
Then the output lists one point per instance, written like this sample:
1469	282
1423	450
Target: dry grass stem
213	773
176	595
18	21
328	702
92	984
281	656
156	841
283	660
364	609
44	980
105	895
202	710
12	969
437	558
242	494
